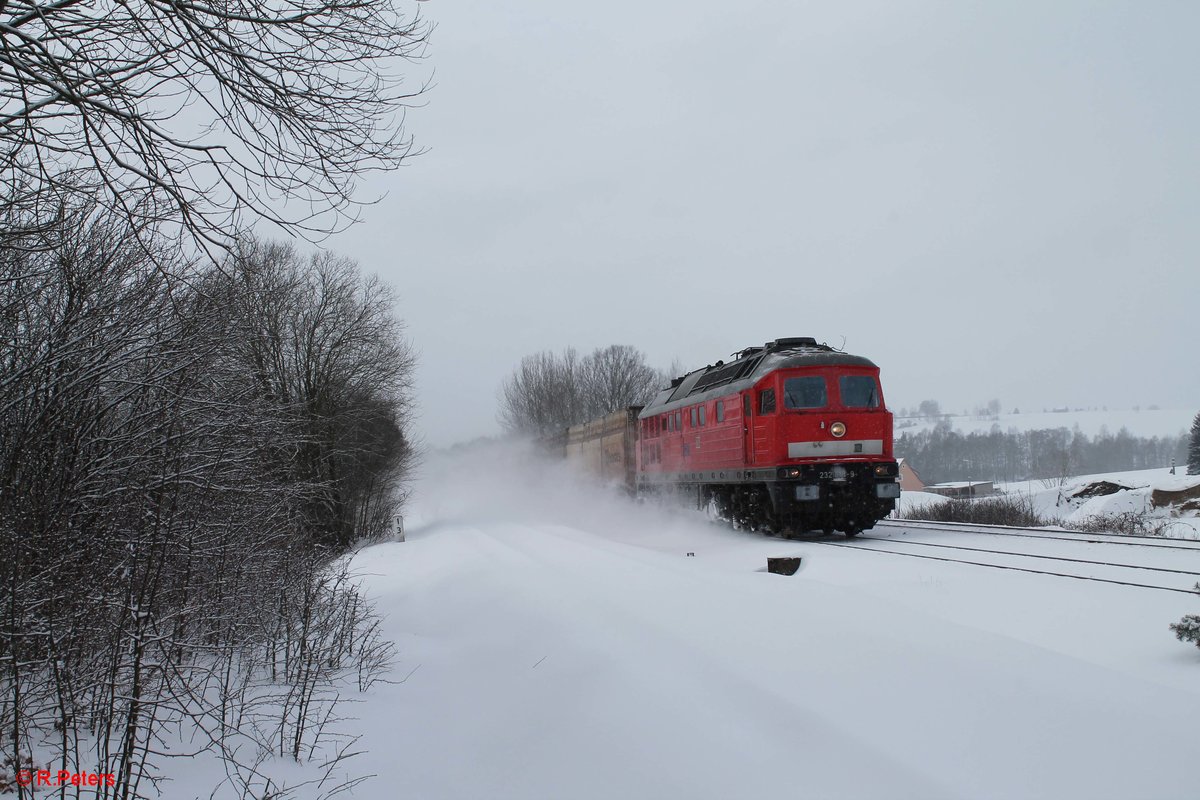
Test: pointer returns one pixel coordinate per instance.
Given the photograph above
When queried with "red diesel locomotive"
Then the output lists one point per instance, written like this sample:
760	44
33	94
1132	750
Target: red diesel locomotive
788	437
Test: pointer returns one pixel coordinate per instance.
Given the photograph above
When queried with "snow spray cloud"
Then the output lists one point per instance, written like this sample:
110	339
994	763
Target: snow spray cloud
514	482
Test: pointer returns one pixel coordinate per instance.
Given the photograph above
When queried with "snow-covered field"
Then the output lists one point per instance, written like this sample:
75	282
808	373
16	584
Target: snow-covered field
1144	422
556	642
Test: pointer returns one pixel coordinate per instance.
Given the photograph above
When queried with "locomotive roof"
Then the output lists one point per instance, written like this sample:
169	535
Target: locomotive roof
750	365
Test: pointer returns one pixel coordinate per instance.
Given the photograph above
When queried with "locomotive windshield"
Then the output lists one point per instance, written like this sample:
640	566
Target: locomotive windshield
859	391
806	392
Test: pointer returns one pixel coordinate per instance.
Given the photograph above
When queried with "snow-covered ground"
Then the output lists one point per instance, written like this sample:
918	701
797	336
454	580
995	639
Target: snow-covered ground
1144	422
1067	500
557	642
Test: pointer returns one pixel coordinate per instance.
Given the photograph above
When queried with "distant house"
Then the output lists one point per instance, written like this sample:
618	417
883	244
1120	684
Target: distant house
910	481
962	489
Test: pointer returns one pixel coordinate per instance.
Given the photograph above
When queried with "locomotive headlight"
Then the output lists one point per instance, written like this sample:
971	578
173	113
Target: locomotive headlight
838	429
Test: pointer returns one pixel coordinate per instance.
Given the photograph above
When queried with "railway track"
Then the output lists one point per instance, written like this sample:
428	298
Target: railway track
1174	567
1120	539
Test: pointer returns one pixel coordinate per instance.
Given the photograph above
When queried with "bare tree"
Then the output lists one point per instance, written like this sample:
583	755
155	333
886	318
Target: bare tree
549	392
324	346
213	107
617	377
543	395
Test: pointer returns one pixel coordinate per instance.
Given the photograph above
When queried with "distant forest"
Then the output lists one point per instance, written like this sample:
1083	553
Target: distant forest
943	454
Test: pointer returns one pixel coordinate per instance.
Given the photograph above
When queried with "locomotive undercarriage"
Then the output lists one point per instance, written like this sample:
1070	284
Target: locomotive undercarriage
765	508
772	506
825	497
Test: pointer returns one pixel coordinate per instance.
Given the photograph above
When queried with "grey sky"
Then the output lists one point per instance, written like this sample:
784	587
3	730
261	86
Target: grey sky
987	199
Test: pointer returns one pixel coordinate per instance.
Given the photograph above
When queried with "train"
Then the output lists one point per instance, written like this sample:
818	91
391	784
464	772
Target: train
784	438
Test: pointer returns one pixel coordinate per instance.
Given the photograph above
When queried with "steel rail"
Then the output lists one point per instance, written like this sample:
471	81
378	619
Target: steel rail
1042	533
1003	566
1031	555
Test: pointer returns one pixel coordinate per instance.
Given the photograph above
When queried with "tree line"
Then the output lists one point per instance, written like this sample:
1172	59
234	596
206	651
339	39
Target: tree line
186	446
943	454
194	424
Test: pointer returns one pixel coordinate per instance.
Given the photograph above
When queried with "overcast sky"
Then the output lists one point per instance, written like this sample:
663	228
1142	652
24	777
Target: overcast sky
990	200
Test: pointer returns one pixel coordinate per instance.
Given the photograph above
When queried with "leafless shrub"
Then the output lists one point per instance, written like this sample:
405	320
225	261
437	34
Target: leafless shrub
1003	510
1127	523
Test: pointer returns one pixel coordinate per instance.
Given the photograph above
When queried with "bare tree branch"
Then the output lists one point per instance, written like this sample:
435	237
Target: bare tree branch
224	107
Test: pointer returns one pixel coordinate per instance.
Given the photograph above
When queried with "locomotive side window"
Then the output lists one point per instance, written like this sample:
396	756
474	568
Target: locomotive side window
692	416
720	411
766	401
702	423
807	392
859	391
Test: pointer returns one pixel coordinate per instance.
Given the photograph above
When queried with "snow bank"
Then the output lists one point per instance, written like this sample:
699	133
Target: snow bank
1075	499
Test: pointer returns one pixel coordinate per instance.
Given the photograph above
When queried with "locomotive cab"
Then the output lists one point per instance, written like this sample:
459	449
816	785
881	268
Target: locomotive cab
829	434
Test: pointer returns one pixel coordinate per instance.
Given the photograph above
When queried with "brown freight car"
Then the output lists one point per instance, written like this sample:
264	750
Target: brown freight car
607	447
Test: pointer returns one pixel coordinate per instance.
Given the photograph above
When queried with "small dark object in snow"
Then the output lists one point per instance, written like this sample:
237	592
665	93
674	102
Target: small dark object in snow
783	566
691	555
